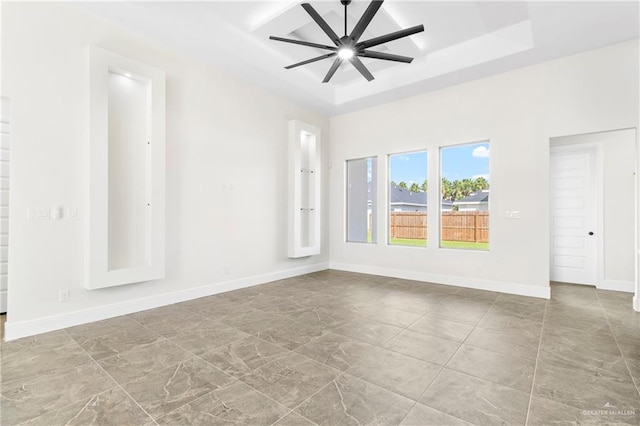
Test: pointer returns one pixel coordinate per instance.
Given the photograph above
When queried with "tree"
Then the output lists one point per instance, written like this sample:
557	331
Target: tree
446	189
481	183
423	187
467	186
393	183
456	190
403	185
414	187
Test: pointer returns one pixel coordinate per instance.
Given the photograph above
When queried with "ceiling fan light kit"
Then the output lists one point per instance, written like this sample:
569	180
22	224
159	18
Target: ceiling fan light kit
349	47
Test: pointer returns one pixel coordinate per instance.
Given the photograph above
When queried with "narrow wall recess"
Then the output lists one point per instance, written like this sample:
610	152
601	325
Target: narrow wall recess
126	191
304	189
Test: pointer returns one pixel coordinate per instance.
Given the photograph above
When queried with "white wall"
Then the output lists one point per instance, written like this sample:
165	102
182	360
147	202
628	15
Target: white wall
618	151
518	112
226	172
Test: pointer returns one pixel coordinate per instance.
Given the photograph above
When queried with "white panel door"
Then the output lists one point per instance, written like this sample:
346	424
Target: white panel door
573	217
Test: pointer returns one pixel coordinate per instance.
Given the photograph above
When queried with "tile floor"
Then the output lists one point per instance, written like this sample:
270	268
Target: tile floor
336	348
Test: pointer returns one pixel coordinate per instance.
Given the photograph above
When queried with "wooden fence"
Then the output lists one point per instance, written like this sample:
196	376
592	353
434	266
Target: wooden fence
456	226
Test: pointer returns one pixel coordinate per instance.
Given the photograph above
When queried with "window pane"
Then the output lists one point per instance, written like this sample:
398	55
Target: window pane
408	199
361	200
465	196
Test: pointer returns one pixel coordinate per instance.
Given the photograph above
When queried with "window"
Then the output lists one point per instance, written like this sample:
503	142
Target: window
408	199
361	200
465	196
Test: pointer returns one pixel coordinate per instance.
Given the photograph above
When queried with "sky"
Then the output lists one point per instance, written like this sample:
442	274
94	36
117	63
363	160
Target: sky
458	162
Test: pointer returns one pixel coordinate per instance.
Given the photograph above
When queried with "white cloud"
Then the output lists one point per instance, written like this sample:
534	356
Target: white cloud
481	152
485	175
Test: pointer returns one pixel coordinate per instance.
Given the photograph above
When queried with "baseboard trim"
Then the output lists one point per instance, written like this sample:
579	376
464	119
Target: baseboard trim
16	330
3	301
498	286
626	286
636	303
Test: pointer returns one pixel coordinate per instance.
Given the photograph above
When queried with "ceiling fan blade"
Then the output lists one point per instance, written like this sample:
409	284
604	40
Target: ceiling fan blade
308	61
360	67
322	23
332	70
385	56
303	43
390	37
365	20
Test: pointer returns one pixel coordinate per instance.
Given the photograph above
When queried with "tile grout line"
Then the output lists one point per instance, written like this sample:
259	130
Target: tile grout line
342	373
65	406
114	380
624	358
494	352
402	330
238	380
289	351
161	339
193	356
445	365
535	368
293	410
234	379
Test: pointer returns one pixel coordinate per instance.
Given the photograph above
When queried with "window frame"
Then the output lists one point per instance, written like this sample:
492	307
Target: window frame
388	197
374	190
440	188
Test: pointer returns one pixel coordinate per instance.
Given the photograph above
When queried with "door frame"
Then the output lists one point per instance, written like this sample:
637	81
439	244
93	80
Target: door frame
636	296
598	175
5	123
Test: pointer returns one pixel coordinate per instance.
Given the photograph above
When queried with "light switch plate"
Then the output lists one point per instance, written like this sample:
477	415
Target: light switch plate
513	214
38	214
72	213
56	212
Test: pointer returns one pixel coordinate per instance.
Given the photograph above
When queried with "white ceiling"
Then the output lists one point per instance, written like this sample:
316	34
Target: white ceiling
463	40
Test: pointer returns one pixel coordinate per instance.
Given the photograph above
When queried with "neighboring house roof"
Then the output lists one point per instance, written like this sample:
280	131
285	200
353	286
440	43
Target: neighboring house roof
475	198
401	196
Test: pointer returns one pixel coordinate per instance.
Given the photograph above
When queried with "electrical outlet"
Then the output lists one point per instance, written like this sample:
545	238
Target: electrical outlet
64	296
227	269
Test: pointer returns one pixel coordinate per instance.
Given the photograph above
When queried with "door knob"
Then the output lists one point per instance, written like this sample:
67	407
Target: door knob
590	232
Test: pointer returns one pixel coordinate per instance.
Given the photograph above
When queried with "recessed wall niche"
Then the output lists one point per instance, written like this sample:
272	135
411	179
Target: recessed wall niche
304	189
126	184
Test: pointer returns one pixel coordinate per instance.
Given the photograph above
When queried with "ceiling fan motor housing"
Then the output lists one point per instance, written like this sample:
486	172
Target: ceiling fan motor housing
347	41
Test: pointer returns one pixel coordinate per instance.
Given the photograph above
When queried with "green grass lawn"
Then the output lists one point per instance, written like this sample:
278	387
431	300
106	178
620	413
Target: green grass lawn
407	242
445	244
465	245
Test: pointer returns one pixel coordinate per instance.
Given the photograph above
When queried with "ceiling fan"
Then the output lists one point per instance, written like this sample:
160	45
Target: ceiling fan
349	48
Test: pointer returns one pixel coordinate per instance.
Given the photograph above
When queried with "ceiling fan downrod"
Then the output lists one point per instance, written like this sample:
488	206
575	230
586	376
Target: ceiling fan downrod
345	4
